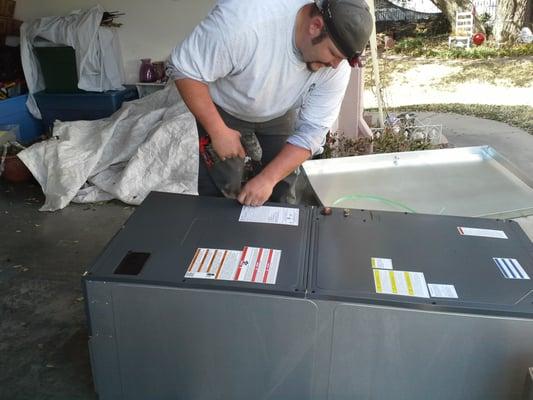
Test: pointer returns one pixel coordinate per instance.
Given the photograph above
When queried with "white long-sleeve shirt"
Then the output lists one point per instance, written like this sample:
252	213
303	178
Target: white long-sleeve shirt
245	52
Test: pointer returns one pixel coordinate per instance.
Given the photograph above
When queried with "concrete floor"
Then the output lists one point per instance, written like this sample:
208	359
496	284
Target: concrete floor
43	337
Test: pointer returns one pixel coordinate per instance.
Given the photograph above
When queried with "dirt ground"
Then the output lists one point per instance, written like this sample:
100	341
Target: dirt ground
407	81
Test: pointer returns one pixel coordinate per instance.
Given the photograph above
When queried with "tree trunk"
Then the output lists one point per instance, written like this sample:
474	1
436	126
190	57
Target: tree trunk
510	19
450	7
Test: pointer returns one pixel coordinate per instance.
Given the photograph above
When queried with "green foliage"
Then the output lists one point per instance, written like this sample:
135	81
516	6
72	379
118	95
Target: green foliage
484	52
411	46
485	17
486	21
419	47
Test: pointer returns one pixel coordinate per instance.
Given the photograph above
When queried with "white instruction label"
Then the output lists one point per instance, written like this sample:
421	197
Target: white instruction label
403	283
252	264
381	263
489	233
270	215
511	268
444	291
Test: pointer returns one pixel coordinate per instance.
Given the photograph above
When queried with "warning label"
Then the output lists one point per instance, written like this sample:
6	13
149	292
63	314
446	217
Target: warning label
252	264
403	283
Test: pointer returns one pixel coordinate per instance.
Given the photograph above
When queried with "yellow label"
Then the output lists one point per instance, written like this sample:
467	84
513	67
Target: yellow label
393	282
410	289
378	281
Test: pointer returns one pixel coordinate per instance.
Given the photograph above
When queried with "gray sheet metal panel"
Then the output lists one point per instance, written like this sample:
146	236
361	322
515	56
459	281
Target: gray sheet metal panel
324	349
384	353
529	385
197	344
102	340
341	267
171	227
470	181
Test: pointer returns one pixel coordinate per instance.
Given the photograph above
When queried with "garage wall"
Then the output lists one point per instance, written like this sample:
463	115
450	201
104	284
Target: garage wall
151	28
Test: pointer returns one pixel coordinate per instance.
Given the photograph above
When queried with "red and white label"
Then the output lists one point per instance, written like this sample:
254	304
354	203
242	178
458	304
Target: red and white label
488	233
252	264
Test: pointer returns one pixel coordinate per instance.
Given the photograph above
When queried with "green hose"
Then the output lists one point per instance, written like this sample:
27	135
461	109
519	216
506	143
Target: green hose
374	198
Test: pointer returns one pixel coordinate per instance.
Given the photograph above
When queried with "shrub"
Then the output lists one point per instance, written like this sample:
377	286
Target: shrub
417	47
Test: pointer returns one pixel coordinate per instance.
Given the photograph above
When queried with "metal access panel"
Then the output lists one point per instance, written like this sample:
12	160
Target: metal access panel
160	342
435	246
323	330
395	353
469	181
476	346
156	334
163	235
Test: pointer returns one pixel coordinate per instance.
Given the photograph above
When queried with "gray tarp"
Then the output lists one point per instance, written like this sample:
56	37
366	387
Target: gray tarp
149	144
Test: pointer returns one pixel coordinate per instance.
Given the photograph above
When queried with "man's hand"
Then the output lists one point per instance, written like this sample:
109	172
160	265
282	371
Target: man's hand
257	191
227	144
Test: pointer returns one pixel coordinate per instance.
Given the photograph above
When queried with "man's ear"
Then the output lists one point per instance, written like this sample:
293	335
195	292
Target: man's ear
316	25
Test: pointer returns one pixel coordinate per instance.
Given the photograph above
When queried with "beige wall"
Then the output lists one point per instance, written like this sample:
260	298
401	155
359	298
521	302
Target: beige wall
151	28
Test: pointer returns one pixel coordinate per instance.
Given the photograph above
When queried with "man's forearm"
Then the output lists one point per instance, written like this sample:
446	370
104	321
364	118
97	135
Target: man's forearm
196	96
226	142
288	159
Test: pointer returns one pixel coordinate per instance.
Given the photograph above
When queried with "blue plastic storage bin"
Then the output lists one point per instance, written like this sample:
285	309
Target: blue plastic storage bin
81	106
14	111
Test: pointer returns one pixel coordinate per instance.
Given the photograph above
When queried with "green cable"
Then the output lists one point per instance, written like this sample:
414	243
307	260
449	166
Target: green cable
375	198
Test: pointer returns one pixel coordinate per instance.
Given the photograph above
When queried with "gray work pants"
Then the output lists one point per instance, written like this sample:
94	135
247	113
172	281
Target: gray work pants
272	136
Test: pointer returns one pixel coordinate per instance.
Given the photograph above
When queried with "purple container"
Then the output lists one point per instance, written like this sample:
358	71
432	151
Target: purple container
147	71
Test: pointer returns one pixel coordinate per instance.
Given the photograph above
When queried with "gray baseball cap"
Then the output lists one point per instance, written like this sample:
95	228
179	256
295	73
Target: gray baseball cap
349	25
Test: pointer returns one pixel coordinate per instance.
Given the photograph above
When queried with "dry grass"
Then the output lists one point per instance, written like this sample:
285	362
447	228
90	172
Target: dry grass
510	72
517	72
